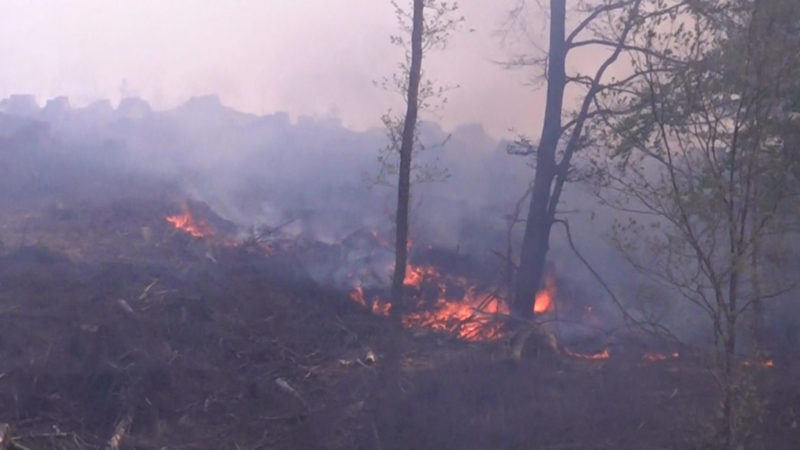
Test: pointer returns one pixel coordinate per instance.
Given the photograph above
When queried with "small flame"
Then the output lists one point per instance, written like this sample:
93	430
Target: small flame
185	222
544	298
377	306
381	308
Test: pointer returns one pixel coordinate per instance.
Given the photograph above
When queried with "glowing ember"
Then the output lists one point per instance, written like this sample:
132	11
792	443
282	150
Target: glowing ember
605	354
185	222
767	363
653	357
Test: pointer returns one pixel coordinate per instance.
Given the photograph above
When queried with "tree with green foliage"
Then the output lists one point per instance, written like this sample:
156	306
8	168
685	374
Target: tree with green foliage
705	167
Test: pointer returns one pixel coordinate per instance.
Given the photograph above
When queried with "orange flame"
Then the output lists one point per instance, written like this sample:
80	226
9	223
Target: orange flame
416	274
185	222
377	306
469	318
544	298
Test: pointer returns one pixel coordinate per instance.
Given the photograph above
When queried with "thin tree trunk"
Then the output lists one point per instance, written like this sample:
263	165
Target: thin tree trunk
729	389
406	148
729	376
535	243
387	383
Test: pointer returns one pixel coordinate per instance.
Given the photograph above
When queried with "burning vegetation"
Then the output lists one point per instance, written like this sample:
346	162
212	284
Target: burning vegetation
451	304
187	223
131	320
474	316
199	220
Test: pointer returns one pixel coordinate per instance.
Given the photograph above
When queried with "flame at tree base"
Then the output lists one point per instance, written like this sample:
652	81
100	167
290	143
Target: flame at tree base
544	298
471	317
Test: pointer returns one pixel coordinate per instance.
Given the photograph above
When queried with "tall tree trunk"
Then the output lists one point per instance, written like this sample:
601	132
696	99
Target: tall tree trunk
535	243
406	148
757	320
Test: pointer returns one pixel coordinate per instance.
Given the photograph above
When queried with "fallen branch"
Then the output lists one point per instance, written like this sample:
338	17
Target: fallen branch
120	430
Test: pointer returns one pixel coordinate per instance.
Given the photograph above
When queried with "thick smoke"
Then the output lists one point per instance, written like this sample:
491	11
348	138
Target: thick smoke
312	174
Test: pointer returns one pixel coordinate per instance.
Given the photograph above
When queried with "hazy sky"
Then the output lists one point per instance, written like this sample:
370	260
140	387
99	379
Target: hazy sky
313	57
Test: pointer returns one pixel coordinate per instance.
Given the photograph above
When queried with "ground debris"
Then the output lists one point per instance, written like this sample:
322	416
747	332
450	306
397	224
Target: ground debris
5	436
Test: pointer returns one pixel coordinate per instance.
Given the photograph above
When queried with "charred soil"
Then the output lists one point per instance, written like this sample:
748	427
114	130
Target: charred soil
117	325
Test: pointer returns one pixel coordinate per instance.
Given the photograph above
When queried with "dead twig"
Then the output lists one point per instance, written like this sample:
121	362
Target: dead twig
146	290
286	387
126	307
375	435
16	445
286	418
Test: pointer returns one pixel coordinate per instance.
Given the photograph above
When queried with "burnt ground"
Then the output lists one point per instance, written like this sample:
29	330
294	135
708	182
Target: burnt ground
115	323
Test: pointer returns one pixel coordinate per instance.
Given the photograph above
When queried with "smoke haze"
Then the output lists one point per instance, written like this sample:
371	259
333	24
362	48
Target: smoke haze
315	57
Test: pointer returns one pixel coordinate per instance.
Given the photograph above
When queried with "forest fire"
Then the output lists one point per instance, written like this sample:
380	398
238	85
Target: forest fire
187	223
470	315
